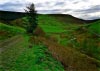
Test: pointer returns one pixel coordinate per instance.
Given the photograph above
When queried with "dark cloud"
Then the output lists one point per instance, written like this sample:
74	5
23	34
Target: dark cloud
94	17
66	10
59	3
76	1
89	17
90	10
11	6
39	5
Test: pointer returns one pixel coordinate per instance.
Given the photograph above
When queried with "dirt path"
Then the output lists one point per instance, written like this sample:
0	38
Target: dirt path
10	42
10	49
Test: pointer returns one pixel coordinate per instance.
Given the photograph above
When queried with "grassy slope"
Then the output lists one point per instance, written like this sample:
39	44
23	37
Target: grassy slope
22	58
68	18
7	31
56	29
52	25
95	27
19	57
84	39
65	32
88	40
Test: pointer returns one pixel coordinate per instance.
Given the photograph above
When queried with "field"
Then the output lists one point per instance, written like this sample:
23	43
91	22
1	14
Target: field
62	46
18	56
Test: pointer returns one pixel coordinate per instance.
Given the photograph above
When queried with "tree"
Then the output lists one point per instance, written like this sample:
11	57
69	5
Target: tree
31	16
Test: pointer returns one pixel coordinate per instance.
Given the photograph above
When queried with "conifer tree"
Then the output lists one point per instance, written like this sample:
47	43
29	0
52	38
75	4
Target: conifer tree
31	16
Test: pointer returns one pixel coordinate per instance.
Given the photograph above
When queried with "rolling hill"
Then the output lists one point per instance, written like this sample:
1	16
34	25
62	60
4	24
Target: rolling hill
6	16
67	43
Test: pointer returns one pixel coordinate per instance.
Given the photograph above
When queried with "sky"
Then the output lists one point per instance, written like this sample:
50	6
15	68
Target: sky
84	9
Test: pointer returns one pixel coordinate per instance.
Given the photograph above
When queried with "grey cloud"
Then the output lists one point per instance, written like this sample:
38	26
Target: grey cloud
50	11
54	11
45	4
89	17
93	17
9	6
90	10
75	2
59	3
48	4
66	10
39	5
42	4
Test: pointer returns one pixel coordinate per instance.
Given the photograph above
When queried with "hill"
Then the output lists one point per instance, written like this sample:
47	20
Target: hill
73	44
10	15
71	19
16	55
21	57
7	31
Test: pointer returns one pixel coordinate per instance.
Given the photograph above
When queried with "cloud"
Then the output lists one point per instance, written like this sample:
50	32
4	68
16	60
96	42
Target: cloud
49	11
92	9
12	5
85	9
59	3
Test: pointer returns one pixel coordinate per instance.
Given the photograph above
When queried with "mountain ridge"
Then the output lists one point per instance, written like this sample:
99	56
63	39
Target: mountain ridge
11	15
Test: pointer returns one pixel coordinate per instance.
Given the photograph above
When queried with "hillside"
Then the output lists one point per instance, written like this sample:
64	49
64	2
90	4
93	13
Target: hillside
83	37
59	43
71	19
6	16
26	55
7	31
9	15
68	19
16	55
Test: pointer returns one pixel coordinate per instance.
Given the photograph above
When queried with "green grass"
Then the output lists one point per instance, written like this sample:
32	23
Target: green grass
8	31
87	40
89	44
53	27
39	58
20	57
95	27
50	25
12	29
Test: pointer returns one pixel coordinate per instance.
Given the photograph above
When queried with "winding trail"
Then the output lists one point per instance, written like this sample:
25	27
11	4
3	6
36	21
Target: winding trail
10	42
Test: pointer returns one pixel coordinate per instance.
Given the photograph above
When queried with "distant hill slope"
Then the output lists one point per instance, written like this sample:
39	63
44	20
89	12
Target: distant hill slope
66	18
95	28
9	16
